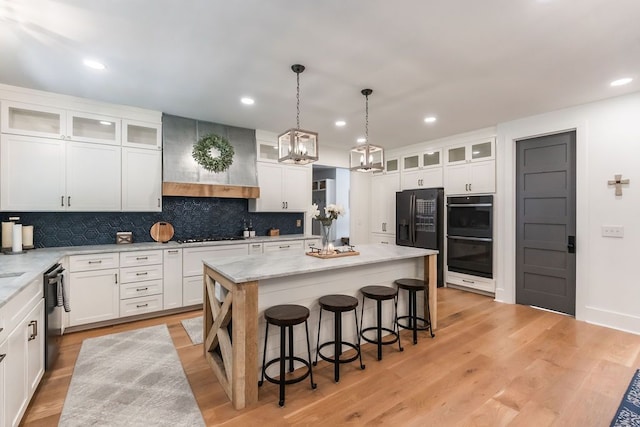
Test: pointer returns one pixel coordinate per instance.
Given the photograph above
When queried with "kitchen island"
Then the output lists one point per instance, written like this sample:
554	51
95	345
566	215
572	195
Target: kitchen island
237	290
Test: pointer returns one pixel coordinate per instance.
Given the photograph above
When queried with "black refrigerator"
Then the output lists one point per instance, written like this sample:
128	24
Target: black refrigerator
420	221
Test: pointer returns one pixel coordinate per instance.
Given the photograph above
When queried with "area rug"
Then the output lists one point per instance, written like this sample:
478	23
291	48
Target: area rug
193	327
629	411
130	379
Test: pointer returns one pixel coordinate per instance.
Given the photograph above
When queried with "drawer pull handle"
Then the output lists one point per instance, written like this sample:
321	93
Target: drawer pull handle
255	246
142	305
141	289
142	258
468	281
384	243
173	251
2	356
284	246
142	274
1	329
33	324
95	262
116	275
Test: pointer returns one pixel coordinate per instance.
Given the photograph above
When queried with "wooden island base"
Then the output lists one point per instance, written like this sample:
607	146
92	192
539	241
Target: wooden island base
235	359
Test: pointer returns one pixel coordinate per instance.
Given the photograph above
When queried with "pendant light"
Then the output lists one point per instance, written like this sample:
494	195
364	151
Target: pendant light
296	145
367	157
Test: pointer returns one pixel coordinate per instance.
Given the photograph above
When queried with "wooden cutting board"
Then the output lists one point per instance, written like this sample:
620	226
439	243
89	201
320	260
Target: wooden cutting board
162	232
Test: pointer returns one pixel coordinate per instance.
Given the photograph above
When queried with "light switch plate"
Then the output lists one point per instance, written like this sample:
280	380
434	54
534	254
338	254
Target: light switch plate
612	231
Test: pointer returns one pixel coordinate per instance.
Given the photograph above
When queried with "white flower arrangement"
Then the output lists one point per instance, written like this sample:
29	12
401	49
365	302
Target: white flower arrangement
331	212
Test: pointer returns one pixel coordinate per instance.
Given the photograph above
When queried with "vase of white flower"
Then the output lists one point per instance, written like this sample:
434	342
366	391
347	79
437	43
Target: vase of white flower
331	212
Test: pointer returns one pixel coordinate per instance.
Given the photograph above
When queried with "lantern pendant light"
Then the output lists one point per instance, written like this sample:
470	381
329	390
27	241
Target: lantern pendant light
298	146
367	157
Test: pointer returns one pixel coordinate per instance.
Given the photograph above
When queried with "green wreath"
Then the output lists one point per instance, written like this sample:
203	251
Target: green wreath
202	153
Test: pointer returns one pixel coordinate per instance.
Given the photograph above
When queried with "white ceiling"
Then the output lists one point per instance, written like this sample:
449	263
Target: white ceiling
470	63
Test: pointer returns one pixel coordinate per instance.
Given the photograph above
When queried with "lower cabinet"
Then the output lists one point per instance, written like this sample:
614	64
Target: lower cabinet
286	246
471	282
22	364
172	276
94	295
192	290
385	239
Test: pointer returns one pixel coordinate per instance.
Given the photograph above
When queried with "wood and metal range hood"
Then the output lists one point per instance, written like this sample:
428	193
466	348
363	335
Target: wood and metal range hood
182	176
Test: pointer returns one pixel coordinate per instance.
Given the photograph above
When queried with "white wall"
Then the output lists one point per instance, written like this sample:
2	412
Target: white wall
608	143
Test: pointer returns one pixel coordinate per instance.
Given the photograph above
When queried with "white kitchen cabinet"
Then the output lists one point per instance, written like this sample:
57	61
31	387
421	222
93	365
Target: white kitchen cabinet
383	202
296	246
41	174
32	174
471	282
422	170
193	268
471	152
385	239
94	295
141	180
20	118
471	178
255	248
141	285
172	278
141	134
282	188
24	362
92	177
312	243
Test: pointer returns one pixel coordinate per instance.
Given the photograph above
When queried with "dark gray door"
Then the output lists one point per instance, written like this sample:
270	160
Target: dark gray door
546	225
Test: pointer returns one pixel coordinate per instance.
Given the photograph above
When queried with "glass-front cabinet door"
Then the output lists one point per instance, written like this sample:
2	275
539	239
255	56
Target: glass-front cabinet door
482	151
391	166
87	127
472	152
141	134
27	119
432	158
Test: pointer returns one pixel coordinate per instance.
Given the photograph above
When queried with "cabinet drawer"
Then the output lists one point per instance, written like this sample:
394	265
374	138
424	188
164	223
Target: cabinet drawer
132	259
17	307
294	245
255	248
93	262
473	282
140	289
143	273
140	305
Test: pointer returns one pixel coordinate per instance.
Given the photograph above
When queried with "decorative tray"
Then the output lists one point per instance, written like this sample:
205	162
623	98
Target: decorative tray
335	254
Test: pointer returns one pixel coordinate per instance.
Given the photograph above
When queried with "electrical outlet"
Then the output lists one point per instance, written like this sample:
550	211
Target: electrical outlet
613	231
298	223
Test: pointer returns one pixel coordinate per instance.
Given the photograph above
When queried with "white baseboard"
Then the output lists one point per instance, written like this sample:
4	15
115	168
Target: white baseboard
612	319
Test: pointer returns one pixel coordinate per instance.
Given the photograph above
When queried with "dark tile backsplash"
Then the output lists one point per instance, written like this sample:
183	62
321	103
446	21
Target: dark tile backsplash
190	216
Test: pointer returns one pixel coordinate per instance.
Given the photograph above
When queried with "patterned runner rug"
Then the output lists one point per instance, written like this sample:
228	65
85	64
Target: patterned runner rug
629	411
131	379
193	327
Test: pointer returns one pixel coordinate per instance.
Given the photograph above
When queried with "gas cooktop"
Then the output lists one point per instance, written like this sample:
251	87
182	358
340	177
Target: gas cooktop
210	239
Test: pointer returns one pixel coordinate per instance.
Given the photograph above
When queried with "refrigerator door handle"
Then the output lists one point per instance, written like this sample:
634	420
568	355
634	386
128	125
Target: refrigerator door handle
412	216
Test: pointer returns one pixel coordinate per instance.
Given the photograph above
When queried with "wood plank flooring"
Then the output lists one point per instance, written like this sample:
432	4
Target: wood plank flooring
490	364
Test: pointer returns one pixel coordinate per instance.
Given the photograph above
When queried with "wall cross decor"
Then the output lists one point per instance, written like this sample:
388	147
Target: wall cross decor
618	182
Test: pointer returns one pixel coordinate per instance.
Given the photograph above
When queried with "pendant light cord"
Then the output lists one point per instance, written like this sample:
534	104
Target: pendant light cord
366	120
298	100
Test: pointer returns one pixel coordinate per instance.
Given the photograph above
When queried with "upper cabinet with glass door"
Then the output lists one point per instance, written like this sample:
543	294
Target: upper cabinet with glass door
472	152
422	170
267	151
36	120
141	134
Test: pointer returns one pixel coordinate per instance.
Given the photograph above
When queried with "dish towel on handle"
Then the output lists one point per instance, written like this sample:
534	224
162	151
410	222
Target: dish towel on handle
63	300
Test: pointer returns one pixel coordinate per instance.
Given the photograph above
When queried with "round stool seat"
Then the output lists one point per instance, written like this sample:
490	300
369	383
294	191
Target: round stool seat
411	284
338	303
379	293
286	314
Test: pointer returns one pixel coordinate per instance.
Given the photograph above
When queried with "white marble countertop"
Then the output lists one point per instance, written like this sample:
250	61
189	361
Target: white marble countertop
240	269
17	271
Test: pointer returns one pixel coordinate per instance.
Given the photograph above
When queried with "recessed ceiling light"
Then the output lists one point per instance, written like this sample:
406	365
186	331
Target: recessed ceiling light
429	119
621	82
340	123
92	63
361	140
247	101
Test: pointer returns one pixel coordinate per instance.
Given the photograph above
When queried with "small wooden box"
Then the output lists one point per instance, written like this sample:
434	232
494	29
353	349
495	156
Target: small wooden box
274	232
124	237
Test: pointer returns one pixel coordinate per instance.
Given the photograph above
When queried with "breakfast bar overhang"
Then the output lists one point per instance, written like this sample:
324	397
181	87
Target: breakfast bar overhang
250	284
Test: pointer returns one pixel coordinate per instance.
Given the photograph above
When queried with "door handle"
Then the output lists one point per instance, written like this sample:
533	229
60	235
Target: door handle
33	324
62	201
571	244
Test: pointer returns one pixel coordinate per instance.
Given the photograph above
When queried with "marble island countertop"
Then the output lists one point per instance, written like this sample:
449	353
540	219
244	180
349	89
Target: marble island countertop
17	271
240	269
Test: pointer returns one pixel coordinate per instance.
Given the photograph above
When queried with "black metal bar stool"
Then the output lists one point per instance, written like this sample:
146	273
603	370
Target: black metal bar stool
379	294
412	286
286	316
338	304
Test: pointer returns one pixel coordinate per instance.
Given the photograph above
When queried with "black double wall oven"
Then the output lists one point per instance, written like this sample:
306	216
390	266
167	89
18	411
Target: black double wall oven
470	235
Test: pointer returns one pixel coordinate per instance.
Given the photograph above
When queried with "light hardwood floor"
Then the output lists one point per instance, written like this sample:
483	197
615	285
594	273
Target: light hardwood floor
490	364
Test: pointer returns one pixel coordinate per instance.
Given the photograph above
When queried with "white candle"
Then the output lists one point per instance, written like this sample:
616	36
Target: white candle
27	236
7	231
17	238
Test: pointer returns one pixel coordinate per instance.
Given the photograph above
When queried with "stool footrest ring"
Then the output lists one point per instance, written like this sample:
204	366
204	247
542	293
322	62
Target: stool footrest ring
426	326
375	341
332	343
305	363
